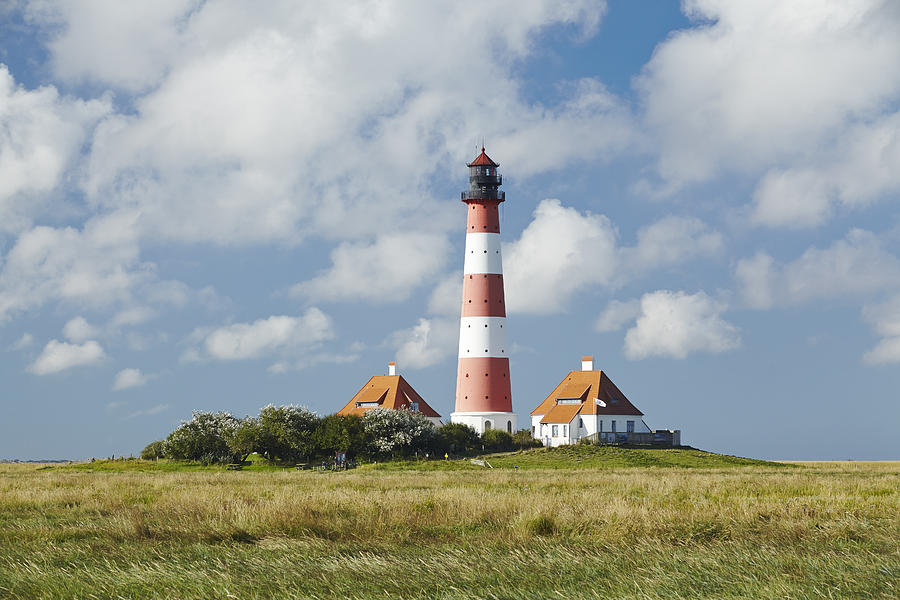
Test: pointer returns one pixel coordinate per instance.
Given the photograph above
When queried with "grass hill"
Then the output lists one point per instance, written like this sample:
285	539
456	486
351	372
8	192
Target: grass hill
581	456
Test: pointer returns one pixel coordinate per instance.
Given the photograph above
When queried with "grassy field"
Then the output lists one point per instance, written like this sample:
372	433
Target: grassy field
624	524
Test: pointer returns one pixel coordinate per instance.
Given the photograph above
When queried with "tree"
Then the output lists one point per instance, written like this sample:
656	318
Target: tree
397	432
523	439
154	450
458	438
497	440
203	438
336	433
244	440
286	432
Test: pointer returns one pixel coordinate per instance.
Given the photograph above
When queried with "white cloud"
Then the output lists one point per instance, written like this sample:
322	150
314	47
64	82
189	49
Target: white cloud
250	135
857	171
24	342
427	343
755	84
130	378
675	324
446	298
560	253
617	314
41	135
672	240
387	270
885	320
856	266
263	337
78	330
58	356
153	410
563	252
123	45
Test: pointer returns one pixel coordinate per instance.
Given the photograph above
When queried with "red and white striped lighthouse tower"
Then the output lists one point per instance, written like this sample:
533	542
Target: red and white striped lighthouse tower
483	398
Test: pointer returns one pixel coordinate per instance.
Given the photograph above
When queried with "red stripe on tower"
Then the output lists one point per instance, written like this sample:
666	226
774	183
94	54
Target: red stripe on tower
483	397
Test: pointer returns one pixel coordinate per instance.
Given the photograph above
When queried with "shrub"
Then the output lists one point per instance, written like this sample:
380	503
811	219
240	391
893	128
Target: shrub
154	450
497	440
285	432
457	438
523	439
203	438
336	433
244	439
397	432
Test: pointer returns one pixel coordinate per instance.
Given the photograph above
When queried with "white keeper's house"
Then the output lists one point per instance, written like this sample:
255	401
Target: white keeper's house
586	403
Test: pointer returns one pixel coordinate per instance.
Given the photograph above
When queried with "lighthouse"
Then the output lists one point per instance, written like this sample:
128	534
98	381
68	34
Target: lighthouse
483	397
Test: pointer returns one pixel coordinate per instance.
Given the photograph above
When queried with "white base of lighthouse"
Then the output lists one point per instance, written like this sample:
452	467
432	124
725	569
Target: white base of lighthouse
482	421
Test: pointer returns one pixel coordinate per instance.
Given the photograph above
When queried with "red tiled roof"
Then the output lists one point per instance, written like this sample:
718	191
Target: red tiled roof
483	160
599	386
388	391
562	413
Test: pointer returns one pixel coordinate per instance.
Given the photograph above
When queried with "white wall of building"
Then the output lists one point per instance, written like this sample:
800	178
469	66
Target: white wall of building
582	425
479	421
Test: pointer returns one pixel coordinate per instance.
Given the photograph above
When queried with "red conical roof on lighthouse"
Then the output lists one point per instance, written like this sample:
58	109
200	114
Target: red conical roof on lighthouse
483	160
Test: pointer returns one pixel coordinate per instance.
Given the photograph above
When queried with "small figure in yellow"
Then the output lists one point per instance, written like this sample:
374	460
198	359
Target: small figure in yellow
446	456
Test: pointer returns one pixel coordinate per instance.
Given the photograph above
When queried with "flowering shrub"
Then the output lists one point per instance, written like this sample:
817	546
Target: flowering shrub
397	432
203	438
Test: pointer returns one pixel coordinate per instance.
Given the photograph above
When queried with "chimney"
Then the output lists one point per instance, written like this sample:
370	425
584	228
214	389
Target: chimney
587	363
392	368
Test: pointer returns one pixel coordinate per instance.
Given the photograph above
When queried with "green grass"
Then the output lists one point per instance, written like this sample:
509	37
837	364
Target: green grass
713	530
587	457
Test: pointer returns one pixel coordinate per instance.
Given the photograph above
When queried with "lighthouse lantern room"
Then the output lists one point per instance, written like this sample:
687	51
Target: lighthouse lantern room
483	397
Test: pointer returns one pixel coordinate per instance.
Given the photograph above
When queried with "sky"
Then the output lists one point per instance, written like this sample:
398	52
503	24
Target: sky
221	205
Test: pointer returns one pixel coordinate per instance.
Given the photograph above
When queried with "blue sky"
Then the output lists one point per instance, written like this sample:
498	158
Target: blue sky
213	206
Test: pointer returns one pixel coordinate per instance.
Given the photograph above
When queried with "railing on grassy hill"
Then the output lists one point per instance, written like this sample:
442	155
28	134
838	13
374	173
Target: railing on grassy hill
658	437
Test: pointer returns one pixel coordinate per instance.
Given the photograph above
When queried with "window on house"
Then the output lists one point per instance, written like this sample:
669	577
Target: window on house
614	426
629	426
600	425
580	423
509	427
565	431
556	431
414	406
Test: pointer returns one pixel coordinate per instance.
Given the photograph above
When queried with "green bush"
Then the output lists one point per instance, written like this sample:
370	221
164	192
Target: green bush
497	440
457	438
154	450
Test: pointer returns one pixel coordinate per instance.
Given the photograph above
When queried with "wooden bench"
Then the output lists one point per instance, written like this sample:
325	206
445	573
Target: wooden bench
234	467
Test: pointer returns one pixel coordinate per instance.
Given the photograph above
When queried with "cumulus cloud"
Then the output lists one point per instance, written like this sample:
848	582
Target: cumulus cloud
563	252
78	330
754	84
59	356
23	342
617	314
387	270
672	240
856	172
855	266
676	324
130	378
250	136
263	337
885	320
112	43
427	343
41	135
